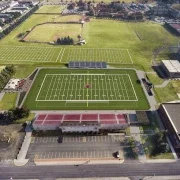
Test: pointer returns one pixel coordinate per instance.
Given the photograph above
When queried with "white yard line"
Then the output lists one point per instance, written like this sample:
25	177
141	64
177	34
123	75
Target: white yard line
133	87
49	87
130	56
41	87
61	55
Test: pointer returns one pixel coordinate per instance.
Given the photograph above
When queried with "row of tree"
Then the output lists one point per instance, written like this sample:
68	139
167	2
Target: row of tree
160	144
17	22
6	74
65	41
13	114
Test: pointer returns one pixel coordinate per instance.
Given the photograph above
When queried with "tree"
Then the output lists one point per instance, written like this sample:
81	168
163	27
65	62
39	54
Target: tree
11	69
91	11
18	113
79	37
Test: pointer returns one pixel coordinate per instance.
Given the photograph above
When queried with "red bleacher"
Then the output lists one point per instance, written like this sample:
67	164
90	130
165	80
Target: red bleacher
55	119
89	117
72	117
41	117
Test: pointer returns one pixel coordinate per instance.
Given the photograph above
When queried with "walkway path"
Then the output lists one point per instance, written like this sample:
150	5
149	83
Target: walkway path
163	85
20	161
151	99
135	133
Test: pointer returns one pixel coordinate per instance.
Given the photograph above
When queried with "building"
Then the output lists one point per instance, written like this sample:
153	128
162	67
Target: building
170	116
174	27
178	53
19	8
14	85
80	122
28	2
171	68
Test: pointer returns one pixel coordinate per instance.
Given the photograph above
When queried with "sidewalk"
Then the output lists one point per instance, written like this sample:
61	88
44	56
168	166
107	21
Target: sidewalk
164	84
151	99
76	162
135	133
21	161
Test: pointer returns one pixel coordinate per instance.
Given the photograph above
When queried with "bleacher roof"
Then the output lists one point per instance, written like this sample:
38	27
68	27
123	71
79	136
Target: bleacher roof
76	64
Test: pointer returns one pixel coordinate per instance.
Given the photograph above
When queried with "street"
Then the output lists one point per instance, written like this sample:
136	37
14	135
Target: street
67	171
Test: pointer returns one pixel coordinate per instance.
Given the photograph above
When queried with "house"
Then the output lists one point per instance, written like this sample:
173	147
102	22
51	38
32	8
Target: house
170	116
28	2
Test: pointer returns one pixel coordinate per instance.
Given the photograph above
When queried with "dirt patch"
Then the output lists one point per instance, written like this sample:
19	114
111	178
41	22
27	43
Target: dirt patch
11	138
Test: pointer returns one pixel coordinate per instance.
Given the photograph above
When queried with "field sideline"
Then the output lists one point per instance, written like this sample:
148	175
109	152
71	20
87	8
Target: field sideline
86	89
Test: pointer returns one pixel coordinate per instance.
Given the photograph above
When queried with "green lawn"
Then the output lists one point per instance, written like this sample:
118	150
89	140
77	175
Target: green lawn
23	71
8	101
66	89
155	79
50	32
23	120
168	93
50	9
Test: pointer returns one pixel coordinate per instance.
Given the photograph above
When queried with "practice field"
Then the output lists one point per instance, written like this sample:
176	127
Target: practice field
86	89
29	54
110	55
50	32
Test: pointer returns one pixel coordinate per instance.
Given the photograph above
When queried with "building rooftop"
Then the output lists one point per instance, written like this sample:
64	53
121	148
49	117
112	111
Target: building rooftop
172	65
172	109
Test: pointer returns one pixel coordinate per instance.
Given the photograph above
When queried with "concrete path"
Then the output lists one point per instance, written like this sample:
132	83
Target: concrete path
135	133
163	85
85	111
151	99
20	161
2	95
161	177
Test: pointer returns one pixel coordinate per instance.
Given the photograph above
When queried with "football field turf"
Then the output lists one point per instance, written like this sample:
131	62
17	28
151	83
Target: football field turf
86	89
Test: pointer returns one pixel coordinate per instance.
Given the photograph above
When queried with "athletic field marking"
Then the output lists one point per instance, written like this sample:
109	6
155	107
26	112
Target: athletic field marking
68	87
110	55
29	53
62	55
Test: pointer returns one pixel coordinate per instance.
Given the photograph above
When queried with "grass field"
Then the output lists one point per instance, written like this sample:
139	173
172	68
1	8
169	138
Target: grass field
86	89
50	9
50	32
110	55
8	101
29	54
107	34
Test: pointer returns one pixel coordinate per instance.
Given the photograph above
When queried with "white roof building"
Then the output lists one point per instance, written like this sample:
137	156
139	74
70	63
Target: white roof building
172	68
12	84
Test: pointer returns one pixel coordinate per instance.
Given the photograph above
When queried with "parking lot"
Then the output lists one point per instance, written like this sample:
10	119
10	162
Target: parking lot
86	147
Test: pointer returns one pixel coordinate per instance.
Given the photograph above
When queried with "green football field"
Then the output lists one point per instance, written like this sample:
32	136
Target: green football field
86	89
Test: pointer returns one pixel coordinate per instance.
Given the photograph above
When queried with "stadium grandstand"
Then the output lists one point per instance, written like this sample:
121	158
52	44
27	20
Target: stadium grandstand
98	65
80	122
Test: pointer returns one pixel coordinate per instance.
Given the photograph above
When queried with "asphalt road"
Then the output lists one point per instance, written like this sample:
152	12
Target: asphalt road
52	172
